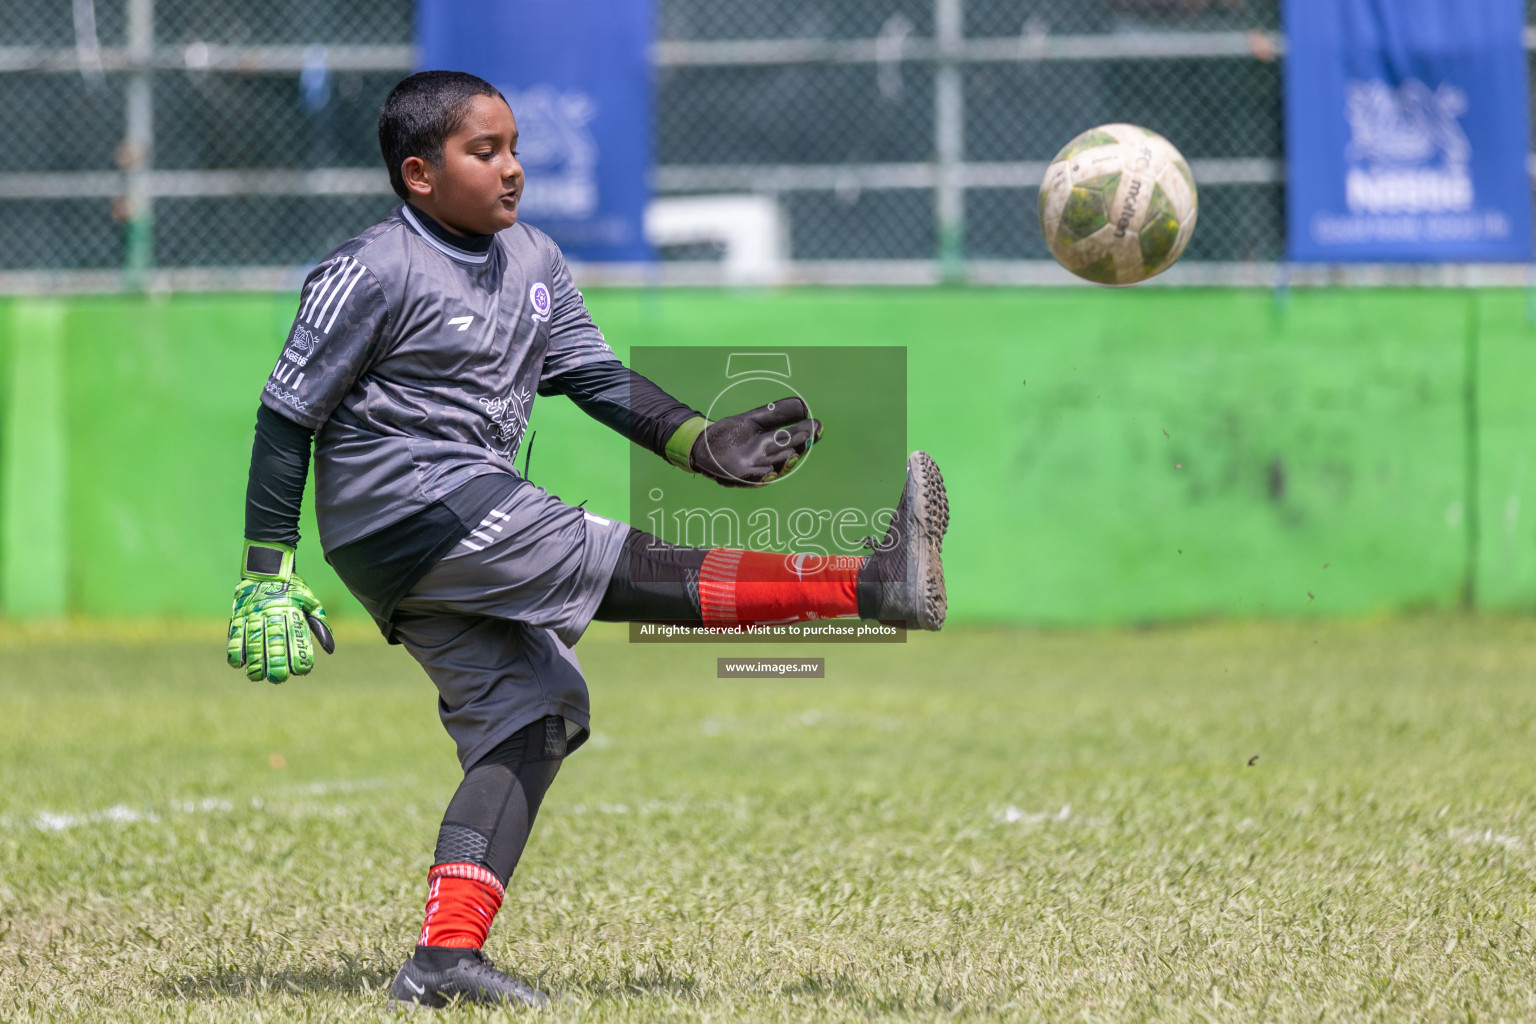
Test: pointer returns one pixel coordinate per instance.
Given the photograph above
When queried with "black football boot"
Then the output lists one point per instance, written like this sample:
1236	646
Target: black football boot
471	979
903	580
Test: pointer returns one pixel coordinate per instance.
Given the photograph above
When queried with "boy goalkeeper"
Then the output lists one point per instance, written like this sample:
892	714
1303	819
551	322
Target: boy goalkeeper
412	366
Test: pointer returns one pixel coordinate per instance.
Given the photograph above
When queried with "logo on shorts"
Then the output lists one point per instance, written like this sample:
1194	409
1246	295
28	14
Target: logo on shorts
539	296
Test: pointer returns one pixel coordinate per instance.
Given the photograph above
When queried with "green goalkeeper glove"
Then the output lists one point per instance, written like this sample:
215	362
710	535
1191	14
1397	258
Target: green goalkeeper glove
274	615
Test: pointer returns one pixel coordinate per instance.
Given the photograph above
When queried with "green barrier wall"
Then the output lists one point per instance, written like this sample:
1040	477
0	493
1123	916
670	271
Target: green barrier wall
1112	456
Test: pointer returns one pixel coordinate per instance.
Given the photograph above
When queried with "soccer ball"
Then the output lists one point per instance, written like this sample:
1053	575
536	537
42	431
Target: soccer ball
1118	204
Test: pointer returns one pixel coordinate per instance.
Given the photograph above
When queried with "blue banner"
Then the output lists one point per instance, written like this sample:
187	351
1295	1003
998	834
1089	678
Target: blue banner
1407	125
577	73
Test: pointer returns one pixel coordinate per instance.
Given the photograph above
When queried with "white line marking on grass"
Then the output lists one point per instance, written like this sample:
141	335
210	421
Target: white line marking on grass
600	809
121	813
647	808
343	786
1012	815
1489	836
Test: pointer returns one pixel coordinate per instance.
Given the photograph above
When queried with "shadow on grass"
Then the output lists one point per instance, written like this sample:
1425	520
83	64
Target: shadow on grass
826	990
347	977
661	981
656	982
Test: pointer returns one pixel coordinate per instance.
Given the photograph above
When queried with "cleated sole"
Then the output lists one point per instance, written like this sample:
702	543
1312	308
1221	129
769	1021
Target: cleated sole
930	517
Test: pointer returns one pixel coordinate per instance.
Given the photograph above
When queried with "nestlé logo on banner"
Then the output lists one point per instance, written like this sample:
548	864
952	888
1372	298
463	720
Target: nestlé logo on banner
1407	152
558	152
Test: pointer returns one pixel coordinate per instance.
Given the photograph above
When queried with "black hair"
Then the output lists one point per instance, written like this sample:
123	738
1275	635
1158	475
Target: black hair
421	112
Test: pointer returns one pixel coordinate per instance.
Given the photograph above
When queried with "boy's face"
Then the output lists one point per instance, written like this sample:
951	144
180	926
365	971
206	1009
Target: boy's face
476	187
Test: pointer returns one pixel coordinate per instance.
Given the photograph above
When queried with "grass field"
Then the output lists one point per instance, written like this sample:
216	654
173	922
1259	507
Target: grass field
983	824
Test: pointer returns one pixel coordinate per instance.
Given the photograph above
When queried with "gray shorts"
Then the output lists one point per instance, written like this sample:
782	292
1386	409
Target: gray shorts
494	621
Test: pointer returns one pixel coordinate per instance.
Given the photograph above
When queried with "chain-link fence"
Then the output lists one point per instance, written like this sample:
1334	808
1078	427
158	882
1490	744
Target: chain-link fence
232	141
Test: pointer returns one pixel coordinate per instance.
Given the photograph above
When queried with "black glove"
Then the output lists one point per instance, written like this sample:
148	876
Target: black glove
752	448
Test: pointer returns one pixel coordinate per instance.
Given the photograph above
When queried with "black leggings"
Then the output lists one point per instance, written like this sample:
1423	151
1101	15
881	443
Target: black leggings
653	582
491	814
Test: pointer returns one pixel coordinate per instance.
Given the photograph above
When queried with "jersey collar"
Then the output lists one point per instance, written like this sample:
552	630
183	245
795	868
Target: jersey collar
464	248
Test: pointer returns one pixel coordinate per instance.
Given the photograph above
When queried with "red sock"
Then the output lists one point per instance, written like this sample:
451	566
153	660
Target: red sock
462	900
760	586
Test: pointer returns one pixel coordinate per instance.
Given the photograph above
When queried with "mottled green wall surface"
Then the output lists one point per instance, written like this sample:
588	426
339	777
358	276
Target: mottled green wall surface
1112	456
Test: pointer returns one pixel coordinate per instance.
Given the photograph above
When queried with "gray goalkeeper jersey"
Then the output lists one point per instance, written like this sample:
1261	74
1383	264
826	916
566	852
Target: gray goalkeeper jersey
417	362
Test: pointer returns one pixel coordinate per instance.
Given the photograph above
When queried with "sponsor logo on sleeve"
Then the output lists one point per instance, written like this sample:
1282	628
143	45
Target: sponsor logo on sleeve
304	340
301	346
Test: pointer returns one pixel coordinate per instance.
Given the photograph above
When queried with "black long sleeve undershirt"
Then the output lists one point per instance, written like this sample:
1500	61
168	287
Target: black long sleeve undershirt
623	400
608	391
275	491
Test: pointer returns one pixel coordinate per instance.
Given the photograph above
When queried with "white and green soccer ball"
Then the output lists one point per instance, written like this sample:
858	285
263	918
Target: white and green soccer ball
1118	204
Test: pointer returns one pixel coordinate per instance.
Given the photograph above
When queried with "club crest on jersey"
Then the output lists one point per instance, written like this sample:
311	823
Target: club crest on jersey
538	295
